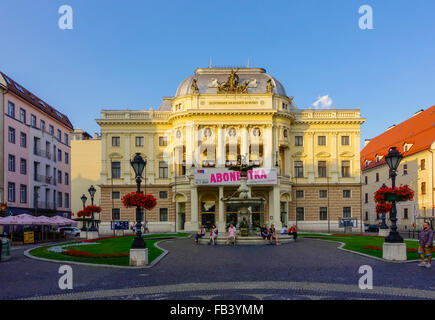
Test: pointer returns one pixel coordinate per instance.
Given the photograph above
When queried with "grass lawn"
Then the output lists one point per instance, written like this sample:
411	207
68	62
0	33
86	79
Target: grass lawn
108	246
360	243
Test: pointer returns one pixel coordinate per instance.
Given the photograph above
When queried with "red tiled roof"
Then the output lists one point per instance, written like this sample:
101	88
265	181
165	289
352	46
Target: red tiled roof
23	93
418	130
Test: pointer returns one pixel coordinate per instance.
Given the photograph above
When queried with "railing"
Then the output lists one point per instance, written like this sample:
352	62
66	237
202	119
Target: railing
137	115
45	179
42	153
45	205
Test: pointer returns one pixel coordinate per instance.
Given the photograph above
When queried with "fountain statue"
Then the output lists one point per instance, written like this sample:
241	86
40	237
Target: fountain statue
242	202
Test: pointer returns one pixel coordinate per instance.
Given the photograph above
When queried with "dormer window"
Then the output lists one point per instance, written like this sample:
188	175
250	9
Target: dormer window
378	158
407	147
367	162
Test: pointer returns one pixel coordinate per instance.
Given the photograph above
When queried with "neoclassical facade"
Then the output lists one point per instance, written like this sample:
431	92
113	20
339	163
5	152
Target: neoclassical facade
307	161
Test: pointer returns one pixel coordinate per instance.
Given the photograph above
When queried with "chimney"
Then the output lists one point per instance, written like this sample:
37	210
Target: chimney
366	142
96	136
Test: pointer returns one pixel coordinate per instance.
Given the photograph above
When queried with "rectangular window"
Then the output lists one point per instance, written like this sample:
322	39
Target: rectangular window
323	213
59	176
377	176
299	169
11	163
299	141
405	169
59	155
116	170
139	141
59	135
66	179
366	180
23	166
23	140
347	212
66	158
42	124
65	138
22	115
116	141
163	169
366	216
23	193
116	214
116	195
423	188
51	130
321	140
11	135
422	164
11	192
405	214
366	200
163	194
345	140
163	141
299	193
163	213
345	169
300	214
33	121
346	194
321	169
11	109
59	200
67	200
323	193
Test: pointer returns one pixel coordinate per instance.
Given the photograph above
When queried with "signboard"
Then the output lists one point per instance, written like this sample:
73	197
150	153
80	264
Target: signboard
119	225
29	237
226	177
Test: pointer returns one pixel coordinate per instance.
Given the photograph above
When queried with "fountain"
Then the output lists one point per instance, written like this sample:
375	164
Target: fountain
242	202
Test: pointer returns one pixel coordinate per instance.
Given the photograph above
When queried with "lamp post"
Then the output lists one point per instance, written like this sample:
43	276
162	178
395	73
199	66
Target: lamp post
383	224
92	191
84	199
393	160
138	164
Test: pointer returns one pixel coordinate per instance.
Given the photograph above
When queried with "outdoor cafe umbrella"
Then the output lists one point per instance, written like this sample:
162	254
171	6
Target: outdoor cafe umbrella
61	221
19	220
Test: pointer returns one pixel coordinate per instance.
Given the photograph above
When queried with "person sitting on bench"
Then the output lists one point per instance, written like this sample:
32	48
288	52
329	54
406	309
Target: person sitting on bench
213	235
273	234
265	234
199	234
292	231
231	234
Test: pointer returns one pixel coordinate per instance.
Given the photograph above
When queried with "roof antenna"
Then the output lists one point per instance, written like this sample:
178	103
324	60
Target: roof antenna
249	63
211	63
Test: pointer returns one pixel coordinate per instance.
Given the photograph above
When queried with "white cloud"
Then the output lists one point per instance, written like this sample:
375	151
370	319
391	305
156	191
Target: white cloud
324	102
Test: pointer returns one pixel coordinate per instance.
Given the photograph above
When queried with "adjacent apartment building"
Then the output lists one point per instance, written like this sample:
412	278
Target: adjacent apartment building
35	154
308	160
415	139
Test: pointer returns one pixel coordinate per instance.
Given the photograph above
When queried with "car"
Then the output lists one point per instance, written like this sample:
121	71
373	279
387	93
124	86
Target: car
70	231
371	227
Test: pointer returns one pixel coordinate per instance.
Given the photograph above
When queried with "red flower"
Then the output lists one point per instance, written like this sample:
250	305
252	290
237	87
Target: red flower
138	199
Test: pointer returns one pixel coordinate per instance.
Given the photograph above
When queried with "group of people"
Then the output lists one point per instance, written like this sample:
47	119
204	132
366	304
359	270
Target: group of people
268	234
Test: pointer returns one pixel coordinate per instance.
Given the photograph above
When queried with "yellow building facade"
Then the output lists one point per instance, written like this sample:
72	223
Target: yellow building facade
85	169
307	161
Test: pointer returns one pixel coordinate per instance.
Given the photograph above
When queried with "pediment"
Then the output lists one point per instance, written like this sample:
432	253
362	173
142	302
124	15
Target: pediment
323	155
115	155
299	155
347	154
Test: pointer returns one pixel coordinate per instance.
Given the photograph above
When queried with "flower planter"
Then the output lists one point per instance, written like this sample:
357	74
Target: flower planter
392	197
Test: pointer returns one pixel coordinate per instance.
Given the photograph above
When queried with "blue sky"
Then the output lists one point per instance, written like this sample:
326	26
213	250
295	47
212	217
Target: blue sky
129	54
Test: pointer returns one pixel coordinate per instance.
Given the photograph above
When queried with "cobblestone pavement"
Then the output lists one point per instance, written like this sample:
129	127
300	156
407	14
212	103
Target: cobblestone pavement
307	269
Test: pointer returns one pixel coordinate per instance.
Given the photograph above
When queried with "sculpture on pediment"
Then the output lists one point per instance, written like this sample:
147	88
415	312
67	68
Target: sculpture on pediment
232	85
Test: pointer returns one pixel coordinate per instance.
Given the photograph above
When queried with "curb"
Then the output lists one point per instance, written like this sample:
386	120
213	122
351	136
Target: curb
342	244
152	264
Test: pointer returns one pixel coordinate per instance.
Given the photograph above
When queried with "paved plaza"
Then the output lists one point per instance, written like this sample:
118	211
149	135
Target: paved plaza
306	270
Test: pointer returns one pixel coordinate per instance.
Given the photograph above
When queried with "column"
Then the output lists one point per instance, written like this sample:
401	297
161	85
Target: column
356	163
334	160
127	157
189	146
274	207
221	218
150	160
244	148
267	147
221	150
193	225
310	163
196	149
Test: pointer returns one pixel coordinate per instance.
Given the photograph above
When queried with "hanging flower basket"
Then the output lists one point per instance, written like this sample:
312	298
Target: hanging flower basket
383	207
83	213
138	199
91	209
385	194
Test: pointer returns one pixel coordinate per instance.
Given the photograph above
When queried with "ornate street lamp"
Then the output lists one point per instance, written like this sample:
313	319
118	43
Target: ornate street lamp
92	191
138	164
383	224
393	160
84	199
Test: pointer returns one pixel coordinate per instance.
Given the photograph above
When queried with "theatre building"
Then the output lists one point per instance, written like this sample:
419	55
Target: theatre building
306	161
